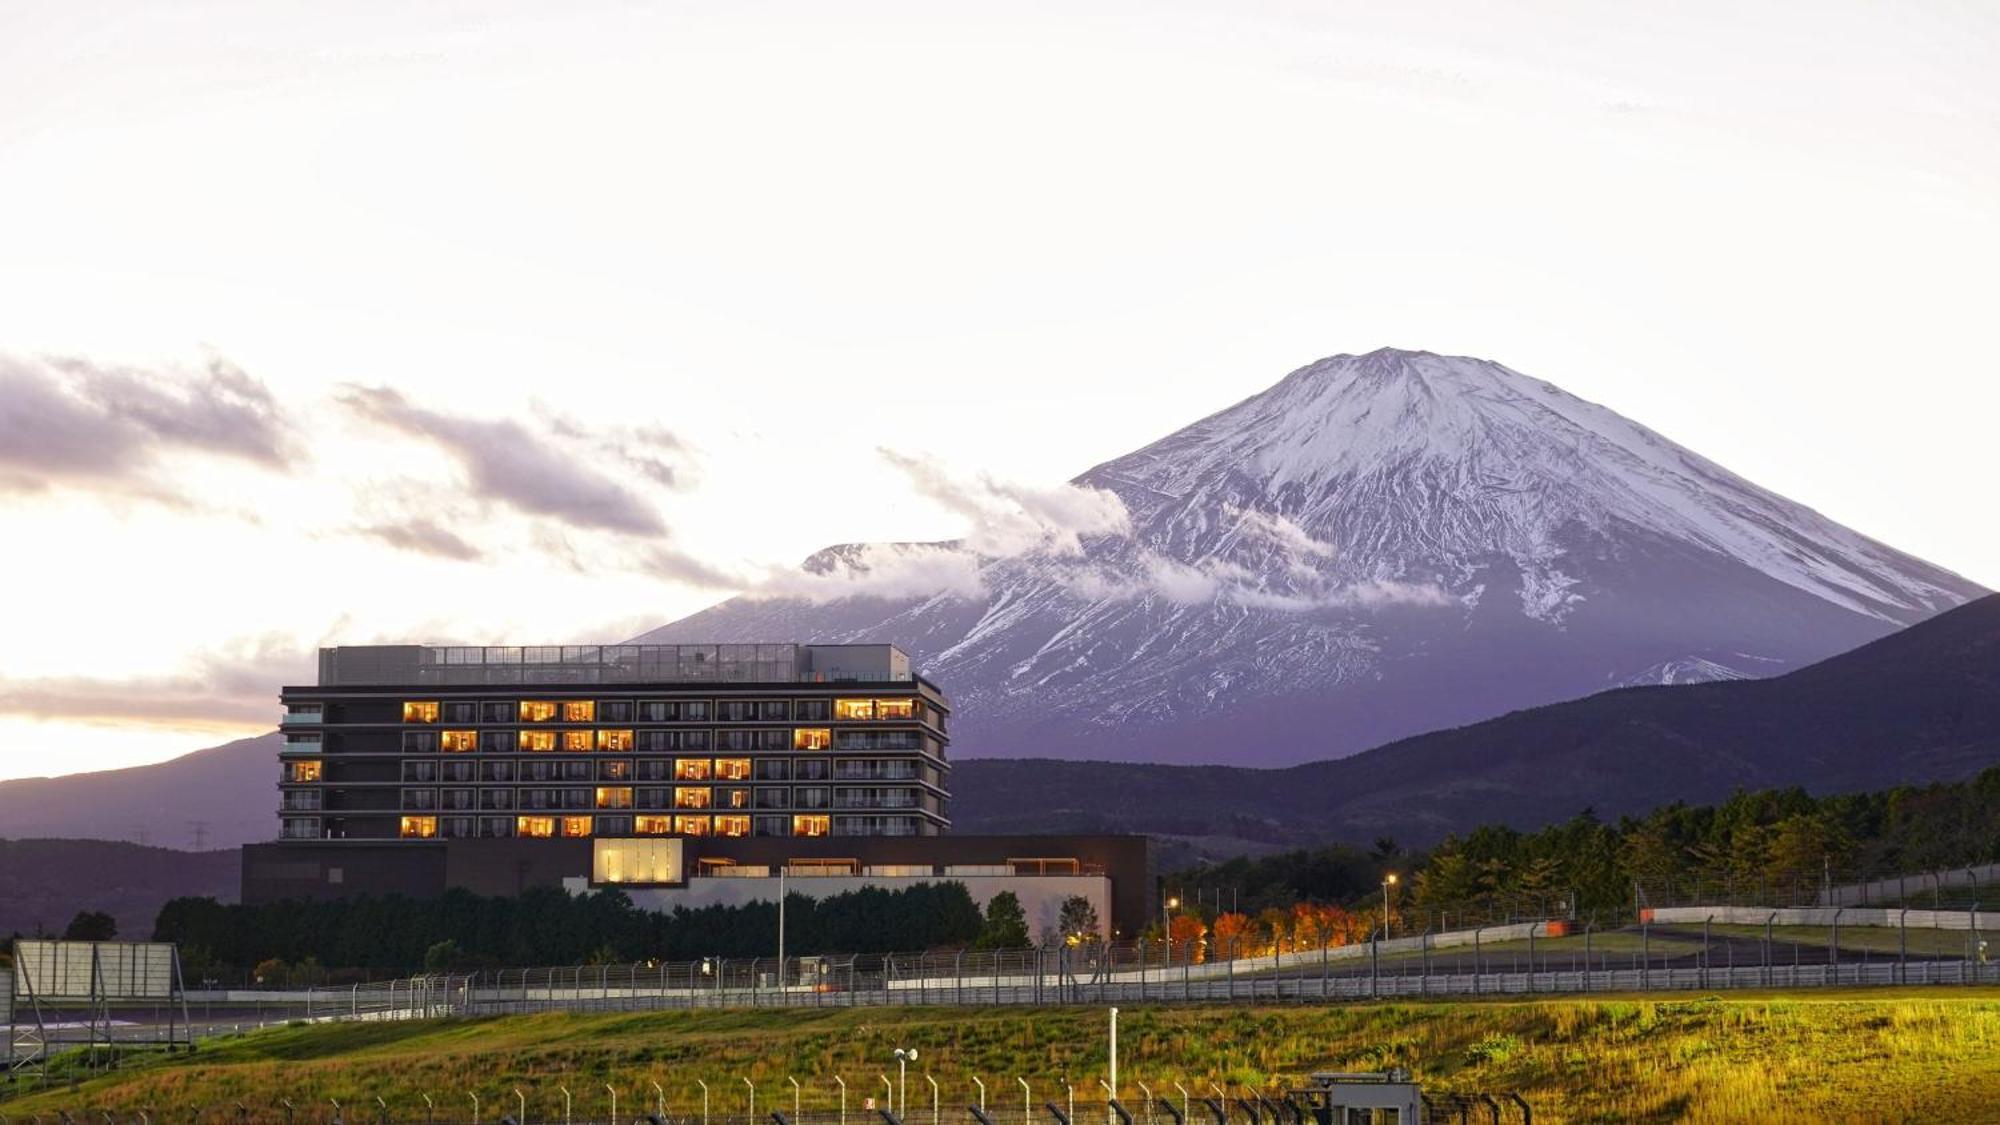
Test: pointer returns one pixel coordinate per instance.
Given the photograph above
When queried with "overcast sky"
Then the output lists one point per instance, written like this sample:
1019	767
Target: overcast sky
497	323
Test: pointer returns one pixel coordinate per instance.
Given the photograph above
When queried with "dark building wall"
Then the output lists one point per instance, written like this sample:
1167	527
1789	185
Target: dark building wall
324	871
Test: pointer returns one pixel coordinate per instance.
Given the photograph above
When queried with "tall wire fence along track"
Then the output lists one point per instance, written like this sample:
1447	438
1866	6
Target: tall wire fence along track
1685	948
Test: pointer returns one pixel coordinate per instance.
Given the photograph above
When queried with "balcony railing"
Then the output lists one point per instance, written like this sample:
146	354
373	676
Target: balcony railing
842	800
300	718
875	771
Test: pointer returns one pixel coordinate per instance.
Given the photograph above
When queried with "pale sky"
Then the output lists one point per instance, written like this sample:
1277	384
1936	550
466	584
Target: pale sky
498	323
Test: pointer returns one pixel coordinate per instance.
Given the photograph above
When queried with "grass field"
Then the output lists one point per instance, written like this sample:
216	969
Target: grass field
1884	1054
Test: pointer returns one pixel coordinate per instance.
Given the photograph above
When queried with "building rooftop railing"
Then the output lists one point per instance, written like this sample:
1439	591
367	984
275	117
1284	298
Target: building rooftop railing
389	665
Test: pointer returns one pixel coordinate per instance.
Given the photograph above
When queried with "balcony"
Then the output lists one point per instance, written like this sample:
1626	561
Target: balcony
875	771
848	799
300	718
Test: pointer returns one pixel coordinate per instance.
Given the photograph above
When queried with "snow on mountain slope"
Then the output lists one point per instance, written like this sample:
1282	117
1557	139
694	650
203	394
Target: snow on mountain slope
1376	546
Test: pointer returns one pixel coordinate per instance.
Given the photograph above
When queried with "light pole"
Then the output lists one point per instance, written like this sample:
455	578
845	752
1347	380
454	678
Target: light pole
475	1106
842	1083
614	1102
982	1092
704	1100
753	1096
904	1057
888	1091
1167	907
1388	881
521	1105
934	1097
659	1103
1027	1096
795	1097
566	1102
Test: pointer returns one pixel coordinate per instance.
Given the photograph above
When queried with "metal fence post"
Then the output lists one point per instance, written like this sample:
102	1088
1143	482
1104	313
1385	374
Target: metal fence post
1903	946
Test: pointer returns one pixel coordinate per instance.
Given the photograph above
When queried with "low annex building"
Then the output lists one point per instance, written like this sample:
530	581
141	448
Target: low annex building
682	774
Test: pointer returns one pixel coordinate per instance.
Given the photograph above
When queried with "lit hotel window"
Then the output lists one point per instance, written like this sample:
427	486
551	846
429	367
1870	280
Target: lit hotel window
537	711
691	825
579	711
303	771
734	799
732	826
895	708
653	825
614	740
419	827
574	826
539	827
810	825
811	738
576	740
695	797
616	797
853	709
691	769
458	741
538	741
732	769
420	712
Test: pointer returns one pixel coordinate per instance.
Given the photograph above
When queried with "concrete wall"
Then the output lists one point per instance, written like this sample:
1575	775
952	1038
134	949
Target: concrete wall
1824	916
1041	895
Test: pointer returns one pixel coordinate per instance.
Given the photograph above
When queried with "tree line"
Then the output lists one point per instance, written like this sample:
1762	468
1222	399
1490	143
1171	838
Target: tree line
1769	844
311	942
549	926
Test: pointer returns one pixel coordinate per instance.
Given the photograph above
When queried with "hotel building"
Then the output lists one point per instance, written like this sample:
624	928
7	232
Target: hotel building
680	773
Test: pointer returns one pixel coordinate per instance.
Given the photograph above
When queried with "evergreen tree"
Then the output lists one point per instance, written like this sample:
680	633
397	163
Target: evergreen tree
1005	925
91	925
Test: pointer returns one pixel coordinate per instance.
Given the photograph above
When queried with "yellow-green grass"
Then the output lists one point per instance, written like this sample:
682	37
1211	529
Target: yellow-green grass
1826	1055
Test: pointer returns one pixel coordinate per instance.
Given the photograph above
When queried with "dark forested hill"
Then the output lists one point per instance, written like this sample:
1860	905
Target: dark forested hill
1919	705
44	883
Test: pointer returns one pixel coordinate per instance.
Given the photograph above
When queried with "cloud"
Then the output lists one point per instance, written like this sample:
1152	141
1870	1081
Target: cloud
1223	581
233	689
506	463
1009	519
72	421
652	451
676	565
885	571
1282	533
425	537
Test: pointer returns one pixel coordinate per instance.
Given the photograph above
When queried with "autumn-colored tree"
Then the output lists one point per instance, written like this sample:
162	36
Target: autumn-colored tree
1305	925
1274	927
1186	932
1230	931
1341	925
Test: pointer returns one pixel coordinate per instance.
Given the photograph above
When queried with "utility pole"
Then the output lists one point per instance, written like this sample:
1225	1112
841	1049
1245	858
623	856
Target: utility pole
781	929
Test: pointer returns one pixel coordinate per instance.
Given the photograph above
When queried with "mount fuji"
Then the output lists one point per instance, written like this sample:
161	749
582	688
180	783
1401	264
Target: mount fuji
1377	546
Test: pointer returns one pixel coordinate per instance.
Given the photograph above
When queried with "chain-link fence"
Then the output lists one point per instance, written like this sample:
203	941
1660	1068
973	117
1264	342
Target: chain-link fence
1709	947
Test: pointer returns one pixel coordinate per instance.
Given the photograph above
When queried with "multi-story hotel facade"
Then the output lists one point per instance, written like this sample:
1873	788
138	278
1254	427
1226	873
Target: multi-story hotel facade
581	741
683	774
